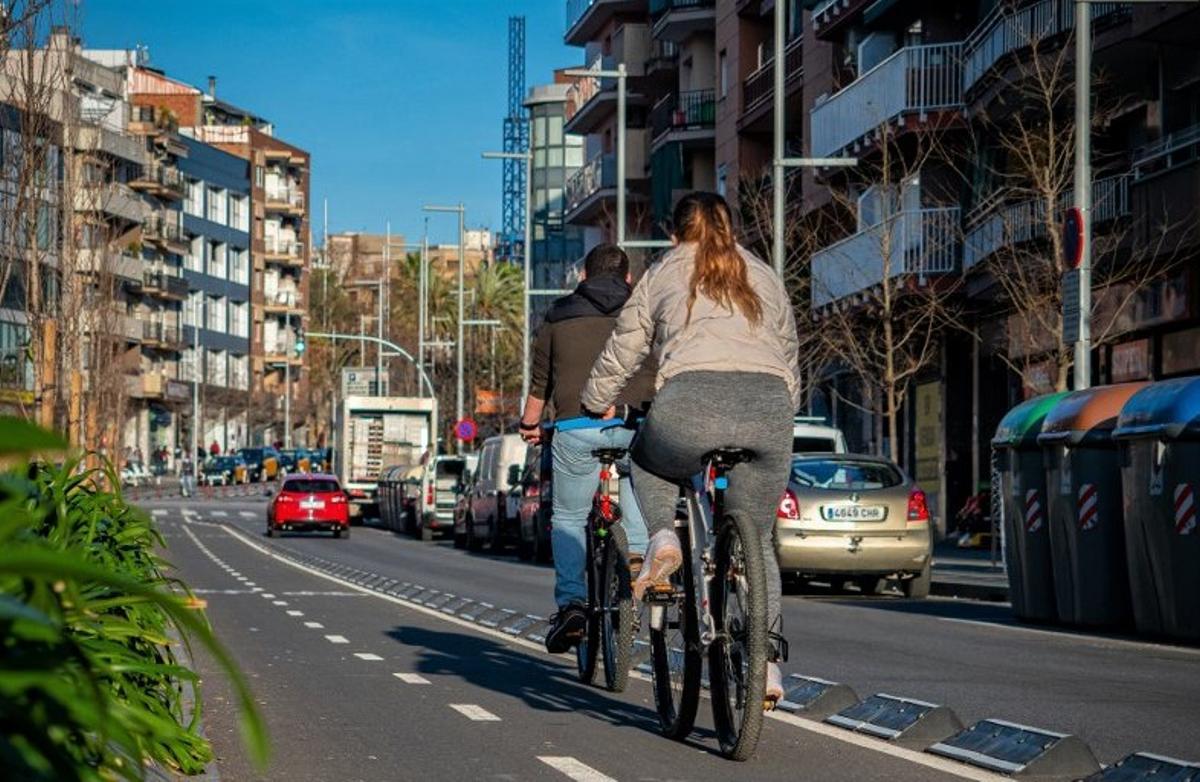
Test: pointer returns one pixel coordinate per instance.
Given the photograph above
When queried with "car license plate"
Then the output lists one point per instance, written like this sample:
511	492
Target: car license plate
853	512
312	504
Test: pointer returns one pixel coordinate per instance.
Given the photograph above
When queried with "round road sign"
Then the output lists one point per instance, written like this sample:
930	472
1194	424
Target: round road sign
1073	237
465	430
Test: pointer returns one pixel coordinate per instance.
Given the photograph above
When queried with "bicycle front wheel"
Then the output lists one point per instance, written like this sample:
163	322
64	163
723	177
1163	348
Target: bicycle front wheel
616	612
587	651
737	658
675	651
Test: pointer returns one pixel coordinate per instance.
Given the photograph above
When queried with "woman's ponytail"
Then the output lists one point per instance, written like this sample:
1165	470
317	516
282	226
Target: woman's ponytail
719	271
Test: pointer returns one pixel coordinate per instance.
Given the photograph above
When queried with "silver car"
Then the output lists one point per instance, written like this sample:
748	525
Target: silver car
849	517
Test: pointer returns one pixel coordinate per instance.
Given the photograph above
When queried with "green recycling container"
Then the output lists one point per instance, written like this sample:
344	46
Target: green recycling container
1022	486
1087	529
1159	432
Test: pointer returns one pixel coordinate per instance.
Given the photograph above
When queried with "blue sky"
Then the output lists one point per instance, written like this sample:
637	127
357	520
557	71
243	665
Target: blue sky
395	99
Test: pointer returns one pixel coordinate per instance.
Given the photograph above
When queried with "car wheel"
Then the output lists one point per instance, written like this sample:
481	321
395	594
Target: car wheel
473	541
525	547
425	533
460	539
495	539
344	532
870	585
543	550
270	531
917	587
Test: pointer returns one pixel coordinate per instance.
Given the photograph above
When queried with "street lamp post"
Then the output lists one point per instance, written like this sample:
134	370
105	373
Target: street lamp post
527	272
462	261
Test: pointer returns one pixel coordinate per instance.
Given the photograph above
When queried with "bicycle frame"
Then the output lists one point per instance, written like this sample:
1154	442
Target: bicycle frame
699	523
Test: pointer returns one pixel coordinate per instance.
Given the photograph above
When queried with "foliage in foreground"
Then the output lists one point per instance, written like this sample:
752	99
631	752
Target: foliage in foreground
91	687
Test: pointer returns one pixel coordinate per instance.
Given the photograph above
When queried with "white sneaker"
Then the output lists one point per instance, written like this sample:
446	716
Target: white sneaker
663	558
774	691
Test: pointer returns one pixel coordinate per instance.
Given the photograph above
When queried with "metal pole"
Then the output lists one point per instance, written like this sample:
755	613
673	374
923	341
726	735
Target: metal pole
383	287
620	152
777	193
525	333
462	262
196	379
1083	187
287	385
421	305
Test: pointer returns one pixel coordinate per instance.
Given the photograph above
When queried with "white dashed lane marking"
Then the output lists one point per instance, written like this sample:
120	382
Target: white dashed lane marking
474	712
159	512
367	656
574	769
337	639
314	625
245	514
279	602
295	613
268	596
220	514
411	678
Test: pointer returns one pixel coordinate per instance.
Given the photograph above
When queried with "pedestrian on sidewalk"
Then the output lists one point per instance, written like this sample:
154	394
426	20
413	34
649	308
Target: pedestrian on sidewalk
187	476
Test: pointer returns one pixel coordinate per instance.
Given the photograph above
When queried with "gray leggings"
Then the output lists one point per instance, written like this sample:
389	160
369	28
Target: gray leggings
697	412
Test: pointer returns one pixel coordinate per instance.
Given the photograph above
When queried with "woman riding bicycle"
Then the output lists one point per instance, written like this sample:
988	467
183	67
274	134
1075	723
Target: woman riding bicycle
722	329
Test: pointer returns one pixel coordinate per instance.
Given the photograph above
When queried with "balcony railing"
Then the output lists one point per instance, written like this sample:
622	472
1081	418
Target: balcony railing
598	173
288	299
167	284
161	228
759	86
918	242
288	247
913	80
1006	30
290	197
691	110
662	6
1025	221
161	333
1171	150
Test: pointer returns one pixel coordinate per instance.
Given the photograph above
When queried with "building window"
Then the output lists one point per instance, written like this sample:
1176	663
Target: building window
240	261
217	261
217	208
217	314
239	319
193	203
239	214
259	176
194	260
194	307
723	73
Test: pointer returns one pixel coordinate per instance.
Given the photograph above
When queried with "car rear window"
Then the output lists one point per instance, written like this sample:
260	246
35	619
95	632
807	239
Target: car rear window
813	445
311	485
450	468
845	474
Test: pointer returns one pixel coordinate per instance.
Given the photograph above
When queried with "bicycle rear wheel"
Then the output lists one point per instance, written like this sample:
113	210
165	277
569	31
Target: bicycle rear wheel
616	611
737	658
675	651
588	648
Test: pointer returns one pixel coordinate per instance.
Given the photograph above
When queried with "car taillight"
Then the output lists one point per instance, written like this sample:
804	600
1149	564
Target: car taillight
284	498
918	508
429	495
789	506
532	491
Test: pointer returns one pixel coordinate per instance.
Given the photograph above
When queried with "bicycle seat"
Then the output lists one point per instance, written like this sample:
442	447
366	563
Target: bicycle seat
610	454
724	458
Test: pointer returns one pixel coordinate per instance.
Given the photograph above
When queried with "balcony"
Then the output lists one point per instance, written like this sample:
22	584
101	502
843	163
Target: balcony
664	56
1006	31
164	286
161	336
687	117
160	180
590	189
280	351
758	89
149	385
121	264
830	15
285	252
675	20
94	138
1012	225
163	228
585	18
591	102
916	82
131	329
286	200
111	199
918	243
282	302
1168	153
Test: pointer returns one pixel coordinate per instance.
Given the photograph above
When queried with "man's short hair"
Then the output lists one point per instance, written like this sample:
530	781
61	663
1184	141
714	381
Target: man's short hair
606	260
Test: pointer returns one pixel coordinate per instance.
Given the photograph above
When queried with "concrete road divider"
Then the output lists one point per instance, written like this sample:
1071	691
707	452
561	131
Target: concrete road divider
910	723
1020	751
815	698
1151	768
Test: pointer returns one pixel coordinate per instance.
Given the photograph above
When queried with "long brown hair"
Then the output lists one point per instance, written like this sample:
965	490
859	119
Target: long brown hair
720	270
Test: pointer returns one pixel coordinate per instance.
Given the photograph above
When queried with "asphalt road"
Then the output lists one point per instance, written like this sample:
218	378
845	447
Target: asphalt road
337	716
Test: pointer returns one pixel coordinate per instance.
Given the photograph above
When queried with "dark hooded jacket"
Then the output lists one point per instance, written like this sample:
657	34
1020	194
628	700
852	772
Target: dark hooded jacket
575	330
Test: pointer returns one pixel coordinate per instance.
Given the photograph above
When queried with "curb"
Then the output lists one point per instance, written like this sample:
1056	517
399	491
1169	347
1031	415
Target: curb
969	590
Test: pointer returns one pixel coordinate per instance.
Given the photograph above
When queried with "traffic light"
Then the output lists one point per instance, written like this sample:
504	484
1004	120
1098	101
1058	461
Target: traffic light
299	344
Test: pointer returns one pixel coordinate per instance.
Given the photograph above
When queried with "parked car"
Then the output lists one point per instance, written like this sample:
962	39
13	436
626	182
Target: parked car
295	460
309	503
849	517
813	435
134	473
462	506
501	461
262	463
392	509
536	500
433	506
224	471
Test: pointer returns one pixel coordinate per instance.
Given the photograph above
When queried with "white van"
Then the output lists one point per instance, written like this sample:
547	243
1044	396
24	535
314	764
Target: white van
501	461
812	435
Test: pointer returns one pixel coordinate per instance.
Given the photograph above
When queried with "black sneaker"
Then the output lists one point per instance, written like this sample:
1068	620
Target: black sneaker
566	628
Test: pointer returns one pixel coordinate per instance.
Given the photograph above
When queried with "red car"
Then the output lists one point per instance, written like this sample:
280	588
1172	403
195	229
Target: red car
308	503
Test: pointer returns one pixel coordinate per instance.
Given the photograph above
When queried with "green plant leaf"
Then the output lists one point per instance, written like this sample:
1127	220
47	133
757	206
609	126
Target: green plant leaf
18	436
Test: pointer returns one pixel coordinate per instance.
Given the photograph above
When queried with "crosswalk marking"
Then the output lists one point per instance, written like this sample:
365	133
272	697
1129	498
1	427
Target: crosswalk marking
337	639
574	769
411	678
295	613
159	512
268	596
314	625
474	712
279	602
367	656
220	514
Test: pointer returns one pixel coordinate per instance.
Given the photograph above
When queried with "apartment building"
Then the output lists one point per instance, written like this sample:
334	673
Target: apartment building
968	216
217	267
557	245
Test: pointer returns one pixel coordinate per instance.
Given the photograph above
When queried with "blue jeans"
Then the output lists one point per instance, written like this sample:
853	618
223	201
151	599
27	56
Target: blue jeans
576	475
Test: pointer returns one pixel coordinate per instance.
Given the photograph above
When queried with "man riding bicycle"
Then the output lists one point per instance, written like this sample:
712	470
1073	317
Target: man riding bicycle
566	346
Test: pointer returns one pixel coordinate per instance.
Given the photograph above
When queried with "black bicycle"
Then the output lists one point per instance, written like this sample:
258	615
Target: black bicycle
716	603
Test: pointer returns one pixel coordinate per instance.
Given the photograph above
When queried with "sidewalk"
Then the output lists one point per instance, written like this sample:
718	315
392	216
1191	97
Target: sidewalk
968	573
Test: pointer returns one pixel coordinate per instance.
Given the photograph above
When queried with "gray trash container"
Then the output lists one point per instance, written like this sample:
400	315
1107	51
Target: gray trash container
1087	531
1022	494
1159	430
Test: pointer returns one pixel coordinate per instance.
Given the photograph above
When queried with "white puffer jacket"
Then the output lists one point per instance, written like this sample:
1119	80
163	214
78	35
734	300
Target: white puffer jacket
716	339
